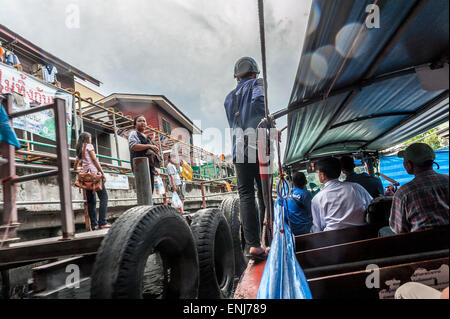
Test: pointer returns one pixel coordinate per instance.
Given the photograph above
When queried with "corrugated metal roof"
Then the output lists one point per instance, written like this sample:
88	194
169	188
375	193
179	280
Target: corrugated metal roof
356	87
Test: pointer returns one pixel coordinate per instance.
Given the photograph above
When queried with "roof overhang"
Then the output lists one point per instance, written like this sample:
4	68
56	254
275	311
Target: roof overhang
357	88
161	100
27	48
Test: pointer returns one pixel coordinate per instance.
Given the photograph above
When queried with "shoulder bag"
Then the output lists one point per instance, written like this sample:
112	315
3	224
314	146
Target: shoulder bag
89	181
154	158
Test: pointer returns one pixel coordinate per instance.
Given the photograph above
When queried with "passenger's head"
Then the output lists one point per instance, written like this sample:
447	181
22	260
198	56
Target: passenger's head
299	180
84	138
246	67
417	157
329	168
171	158
347	165
139	123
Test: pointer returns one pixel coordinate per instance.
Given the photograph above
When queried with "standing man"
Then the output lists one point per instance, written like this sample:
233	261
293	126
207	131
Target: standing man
372	184
245	109
423	202
174	179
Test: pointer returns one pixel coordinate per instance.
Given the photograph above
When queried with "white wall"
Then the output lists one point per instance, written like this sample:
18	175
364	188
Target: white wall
124	151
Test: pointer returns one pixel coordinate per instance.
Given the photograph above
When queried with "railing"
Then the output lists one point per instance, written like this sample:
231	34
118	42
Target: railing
25	142
8	230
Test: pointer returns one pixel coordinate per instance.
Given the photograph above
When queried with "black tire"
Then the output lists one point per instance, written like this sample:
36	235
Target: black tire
137	235
215	253
231	212
223	203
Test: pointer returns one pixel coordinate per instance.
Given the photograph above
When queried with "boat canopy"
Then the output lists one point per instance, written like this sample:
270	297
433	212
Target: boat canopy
372	74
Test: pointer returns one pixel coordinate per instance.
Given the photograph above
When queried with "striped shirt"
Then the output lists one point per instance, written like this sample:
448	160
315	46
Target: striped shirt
421	203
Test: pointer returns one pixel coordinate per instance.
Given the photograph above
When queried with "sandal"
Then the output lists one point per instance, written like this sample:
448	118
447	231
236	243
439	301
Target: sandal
257	258
105	226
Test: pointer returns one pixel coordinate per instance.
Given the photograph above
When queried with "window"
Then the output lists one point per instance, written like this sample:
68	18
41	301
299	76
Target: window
166	127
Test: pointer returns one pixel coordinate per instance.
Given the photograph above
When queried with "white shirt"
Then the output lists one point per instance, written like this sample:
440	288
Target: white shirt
49	77
172	170
339	205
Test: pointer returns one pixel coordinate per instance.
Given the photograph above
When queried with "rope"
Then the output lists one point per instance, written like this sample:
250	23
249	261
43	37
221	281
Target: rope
263	51
268	219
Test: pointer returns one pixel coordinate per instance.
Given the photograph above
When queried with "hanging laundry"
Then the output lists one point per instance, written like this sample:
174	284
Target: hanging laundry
49	73
9	58
2	53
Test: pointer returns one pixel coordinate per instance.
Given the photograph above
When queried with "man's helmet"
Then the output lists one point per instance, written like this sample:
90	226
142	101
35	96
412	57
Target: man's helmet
245	65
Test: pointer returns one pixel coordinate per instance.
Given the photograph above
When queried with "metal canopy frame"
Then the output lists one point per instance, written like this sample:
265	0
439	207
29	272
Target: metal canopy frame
366	80
417	8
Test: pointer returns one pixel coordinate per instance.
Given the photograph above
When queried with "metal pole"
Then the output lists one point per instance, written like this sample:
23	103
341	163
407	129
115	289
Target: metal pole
64	179
116	138
75	118
9	215
161	151
96	142
143	181
203	195
31	177
80	114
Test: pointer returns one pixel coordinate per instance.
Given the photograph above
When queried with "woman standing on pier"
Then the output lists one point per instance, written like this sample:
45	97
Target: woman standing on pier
86	155
139	144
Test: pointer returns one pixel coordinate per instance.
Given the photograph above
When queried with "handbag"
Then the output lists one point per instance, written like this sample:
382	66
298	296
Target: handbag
87	180
154	158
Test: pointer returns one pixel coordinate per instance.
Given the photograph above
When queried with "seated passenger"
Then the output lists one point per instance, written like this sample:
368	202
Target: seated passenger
299	206
423	202
338	205
372	184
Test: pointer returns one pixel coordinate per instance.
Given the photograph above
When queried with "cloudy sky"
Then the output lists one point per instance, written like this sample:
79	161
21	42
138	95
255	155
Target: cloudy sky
183	49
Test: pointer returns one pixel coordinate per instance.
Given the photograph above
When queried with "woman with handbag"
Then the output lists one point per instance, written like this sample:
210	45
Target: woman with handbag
92	180
141	144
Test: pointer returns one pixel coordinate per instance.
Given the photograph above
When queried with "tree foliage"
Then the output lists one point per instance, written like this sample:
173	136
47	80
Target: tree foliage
430	137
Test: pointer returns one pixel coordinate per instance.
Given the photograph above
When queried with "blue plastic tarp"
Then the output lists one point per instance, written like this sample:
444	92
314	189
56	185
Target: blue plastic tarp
283	278
392	166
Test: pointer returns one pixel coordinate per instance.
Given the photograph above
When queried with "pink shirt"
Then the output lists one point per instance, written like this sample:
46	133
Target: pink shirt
87	162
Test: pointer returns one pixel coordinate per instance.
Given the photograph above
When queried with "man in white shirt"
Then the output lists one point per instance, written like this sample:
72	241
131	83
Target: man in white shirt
339	204
174	178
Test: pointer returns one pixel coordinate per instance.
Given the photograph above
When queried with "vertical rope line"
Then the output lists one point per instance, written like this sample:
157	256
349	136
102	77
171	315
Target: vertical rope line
263	51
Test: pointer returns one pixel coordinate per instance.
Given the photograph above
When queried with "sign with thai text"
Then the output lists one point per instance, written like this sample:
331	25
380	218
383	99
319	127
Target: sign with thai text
114	181
29	92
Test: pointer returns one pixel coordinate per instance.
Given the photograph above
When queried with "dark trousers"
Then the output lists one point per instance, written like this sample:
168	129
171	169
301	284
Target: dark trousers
251	219
92	202
152	178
